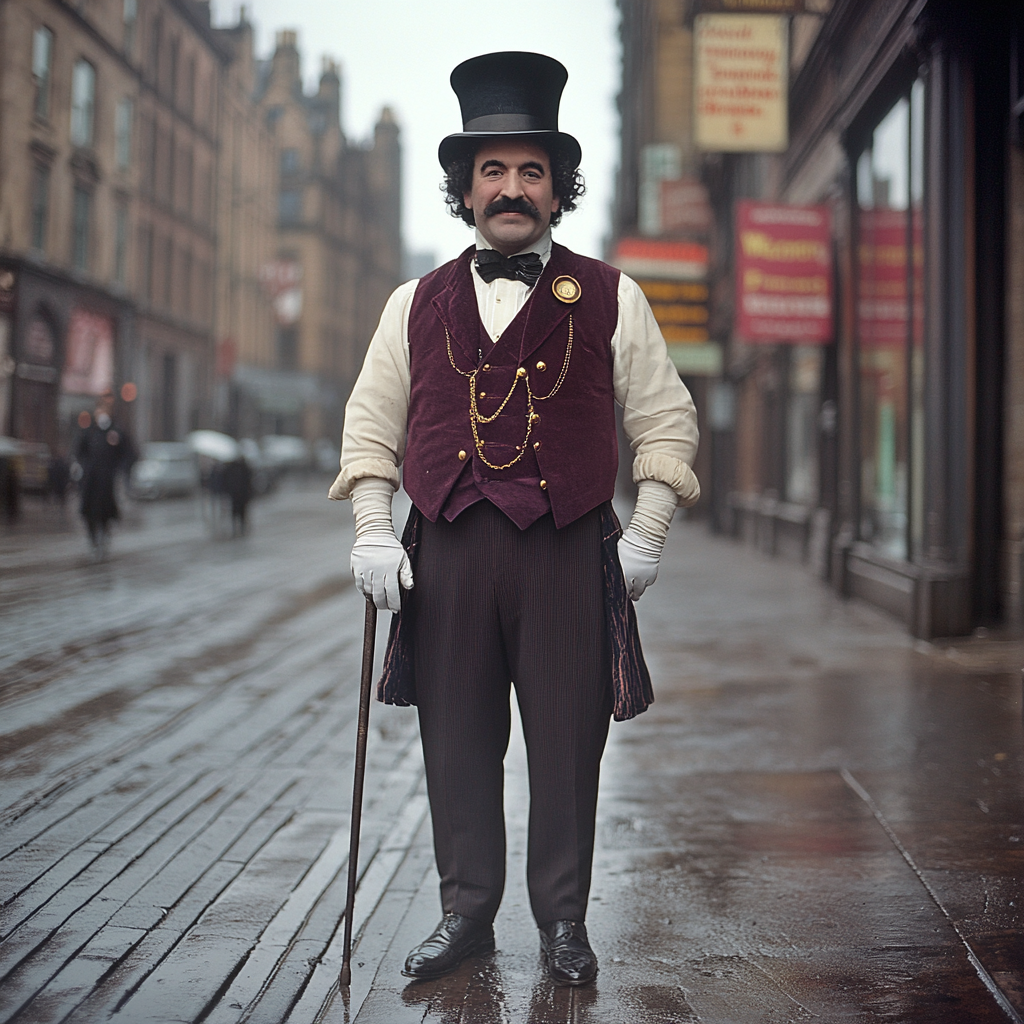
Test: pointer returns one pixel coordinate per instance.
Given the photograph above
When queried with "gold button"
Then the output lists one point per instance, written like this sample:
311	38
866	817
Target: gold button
483	394
542	366
535	418
543	485
521	372
536	446
462	456
487	366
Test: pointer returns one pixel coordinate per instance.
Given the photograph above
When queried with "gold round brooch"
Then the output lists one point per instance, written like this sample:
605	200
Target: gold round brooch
567	289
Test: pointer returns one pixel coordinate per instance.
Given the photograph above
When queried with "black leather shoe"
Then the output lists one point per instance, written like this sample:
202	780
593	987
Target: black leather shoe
570	959
455	938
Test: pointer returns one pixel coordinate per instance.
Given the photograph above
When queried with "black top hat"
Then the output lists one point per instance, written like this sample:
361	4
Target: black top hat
510	93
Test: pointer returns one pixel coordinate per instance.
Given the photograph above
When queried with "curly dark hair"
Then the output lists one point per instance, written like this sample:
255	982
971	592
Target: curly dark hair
566	180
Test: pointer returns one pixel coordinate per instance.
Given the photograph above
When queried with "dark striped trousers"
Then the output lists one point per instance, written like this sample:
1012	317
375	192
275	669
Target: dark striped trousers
496	605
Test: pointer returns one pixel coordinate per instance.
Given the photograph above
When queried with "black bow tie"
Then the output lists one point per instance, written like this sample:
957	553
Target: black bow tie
525	267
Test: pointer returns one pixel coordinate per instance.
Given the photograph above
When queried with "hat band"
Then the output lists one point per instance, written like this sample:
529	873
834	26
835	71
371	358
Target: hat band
505	123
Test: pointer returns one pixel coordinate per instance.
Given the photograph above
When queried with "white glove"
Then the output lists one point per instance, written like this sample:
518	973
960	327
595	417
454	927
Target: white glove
379	562
641	542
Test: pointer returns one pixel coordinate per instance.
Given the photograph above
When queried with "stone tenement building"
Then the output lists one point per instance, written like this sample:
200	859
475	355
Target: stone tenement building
144	235
338	251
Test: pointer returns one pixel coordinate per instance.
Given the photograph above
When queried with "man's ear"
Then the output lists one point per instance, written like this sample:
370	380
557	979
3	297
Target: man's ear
467	200
556	202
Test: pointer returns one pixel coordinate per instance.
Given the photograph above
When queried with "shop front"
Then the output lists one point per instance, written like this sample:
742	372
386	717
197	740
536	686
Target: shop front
62	344
885	439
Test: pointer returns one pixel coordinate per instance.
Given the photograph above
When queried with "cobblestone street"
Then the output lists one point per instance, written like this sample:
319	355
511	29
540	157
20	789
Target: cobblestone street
819	818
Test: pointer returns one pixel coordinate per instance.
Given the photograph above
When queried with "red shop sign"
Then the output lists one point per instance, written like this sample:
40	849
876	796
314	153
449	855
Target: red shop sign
783	273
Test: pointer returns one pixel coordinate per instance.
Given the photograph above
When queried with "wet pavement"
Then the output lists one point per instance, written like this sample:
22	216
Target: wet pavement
819	819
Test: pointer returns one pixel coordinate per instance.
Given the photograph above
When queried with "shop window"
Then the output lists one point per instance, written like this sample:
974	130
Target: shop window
190	89
288	348
83	102
81	215
803	415
890	328
42	67
289	161
144	272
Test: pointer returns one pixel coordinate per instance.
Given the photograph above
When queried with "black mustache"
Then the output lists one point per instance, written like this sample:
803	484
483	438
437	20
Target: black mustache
504	204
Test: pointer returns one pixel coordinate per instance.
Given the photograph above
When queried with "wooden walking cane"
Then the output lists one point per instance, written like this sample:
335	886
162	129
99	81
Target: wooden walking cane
369	635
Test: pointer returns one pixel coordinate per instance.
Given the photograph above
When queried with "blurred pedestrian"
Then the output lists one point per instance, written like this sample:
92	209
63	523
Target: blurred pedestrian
10	488
236	479
102	450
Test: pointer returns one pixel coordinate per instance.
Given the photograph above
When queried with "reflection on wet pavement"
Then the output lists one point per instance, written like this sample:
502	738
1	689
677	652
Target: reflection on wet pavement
817	820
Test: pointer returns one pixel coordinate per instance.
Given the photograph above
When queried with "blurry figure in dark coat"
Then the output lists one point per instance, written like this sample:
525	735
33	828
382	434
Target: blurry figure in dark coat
237	484
58	476
9	489
102	449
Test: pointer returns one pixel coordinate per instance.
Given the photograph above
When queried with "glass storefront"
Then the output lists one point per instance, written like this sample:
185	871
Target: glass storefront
890	328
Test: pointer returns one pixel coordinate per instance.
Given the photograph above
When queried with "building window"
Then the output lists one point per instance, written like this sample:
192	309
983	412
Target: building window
890	328
190	89
144	283
81	214
172	85
123	133
130	17
289	205
42	64
188	180
155	42
83	102
289	161
40	205
120	243
168	269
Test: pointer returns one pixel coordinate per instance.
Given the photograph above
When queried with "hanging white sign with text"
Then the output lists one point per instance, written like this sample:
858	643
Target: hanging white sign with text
740	76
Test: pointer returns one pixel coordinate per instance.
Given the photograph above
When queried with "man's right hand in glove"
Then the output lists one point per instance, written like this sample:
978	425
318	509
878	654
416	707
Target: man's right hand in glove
379	562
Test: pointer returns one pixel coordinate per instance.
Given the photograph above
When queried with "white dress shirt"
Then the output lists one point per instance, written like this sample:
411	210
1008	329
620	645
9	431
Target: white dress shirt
658	413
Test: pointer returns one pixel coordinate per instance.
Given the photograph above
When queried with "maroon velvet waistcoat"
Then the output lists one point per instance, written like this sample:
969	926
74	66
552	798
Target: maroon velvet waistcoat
572	447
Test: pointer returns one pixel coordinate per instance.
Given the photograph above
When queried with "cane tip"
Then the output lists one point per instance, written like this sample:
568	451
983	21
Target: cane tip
346	975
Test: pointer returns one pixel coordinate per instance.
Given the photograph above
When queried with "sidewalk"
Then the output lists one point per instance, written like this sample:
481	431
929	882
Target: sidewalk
819	819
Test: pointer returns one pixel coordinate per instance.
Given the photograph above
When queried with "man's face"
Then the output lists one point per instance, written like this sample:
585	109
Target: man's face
512	198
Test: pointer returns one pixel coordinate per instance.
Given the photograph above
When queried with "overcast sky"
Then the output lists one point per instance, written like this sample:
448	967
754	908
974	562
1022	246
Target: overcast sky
400	53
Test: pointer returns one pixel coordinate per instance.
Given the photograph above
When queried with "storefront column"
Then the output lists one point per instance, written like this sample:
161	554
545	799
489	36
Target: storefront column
942	598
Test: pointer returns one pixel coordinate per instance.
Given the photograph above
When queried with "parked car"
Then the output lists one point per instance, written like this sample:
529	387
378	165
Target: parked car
283	452
165	469
326	456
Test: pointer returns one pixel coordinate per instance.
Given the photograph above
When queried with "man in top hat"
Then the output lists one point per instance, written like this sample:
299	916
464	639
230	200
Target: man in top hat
492	381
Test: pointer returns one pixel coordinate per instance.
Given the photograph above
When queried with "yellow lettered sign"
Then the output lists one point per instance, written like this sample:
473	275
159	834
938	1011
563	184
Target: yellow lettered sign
741	66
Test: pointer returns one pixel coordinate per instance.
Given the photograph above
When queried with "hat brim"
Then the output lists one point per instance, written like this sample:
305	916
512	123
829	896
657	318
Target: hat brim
454	145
